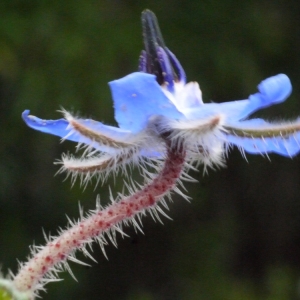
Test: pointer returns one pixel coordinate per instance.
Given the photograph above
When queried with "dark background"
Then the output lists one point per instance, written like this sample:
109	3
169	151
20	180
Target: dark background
239	238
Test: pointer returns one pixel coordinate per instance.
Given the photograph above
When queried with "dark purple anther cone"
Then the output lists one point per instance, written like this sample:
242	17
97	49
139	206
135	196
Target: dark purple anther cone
157	59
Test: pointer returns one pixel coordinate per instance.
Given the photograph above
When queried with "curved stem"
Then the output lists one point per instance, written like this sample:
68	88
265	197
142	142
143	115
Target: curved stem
32	274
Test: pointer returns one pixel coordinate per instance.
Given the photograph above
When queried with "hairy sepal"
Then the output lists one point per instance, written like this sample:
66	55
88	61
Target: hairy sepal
114	154
99	139
203	139
101	166
259	137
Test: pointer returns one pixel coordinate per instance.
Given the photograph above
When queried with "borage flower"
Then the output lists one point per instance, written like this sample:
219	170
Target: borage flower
159	98
160	117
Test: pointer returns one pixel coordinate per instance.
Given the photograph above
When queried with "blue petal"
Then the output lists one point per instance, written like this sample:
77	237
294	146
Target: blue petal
55	127
62	129
136	98
231	110
271	91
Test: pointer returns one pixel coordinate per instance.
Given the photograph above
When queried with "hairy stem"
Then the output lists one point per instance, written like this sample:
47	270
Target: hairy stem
59	249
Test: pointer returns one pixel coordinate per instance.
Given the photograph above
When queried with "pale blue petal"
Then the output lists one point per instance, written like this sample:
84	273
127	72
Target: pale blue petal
286	146
60	128
136	98
272	90
55	127
230	110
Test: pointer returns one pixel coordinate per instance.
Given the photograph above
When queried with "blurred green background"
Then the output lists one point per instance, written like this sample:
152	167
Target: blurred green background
240	236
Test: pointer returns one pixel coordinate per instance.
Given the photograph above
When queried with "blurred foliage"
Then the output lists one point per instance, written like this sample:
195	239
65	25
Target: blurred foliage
8	291
240	236
4	295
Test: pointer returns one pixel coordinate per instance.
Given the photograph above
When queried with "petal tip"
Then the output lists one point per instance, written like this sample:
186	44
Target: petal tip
276	88
25	113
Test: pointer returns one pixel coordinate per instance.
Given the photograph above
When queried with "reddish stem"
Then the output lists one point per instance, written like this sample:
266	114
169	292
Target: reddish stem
58	250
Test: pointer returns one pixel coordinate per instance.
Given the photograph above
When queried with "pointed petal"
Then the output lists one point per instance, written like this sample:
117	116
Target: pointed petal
137	97
63	129
257	136
55	127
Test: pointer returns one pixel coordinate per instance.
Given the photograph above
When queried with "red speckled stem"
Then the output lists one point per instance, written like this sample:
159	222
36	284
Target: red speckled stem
56	251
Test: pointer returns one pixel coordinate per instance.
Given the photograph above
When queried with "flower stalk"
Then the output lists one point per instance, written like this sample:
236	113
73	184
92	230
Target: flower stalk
46	261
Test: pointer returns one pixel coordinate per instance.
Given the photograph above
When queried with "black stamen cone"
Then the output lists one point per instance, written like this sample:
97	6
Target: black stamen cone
152	40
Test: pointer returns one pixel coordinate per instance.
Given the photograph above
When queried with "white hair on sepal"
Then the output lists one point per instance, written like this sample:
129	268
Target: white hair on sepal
112	157
260	137
211	157
188	129
204	139
94	135
100	166
262	128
